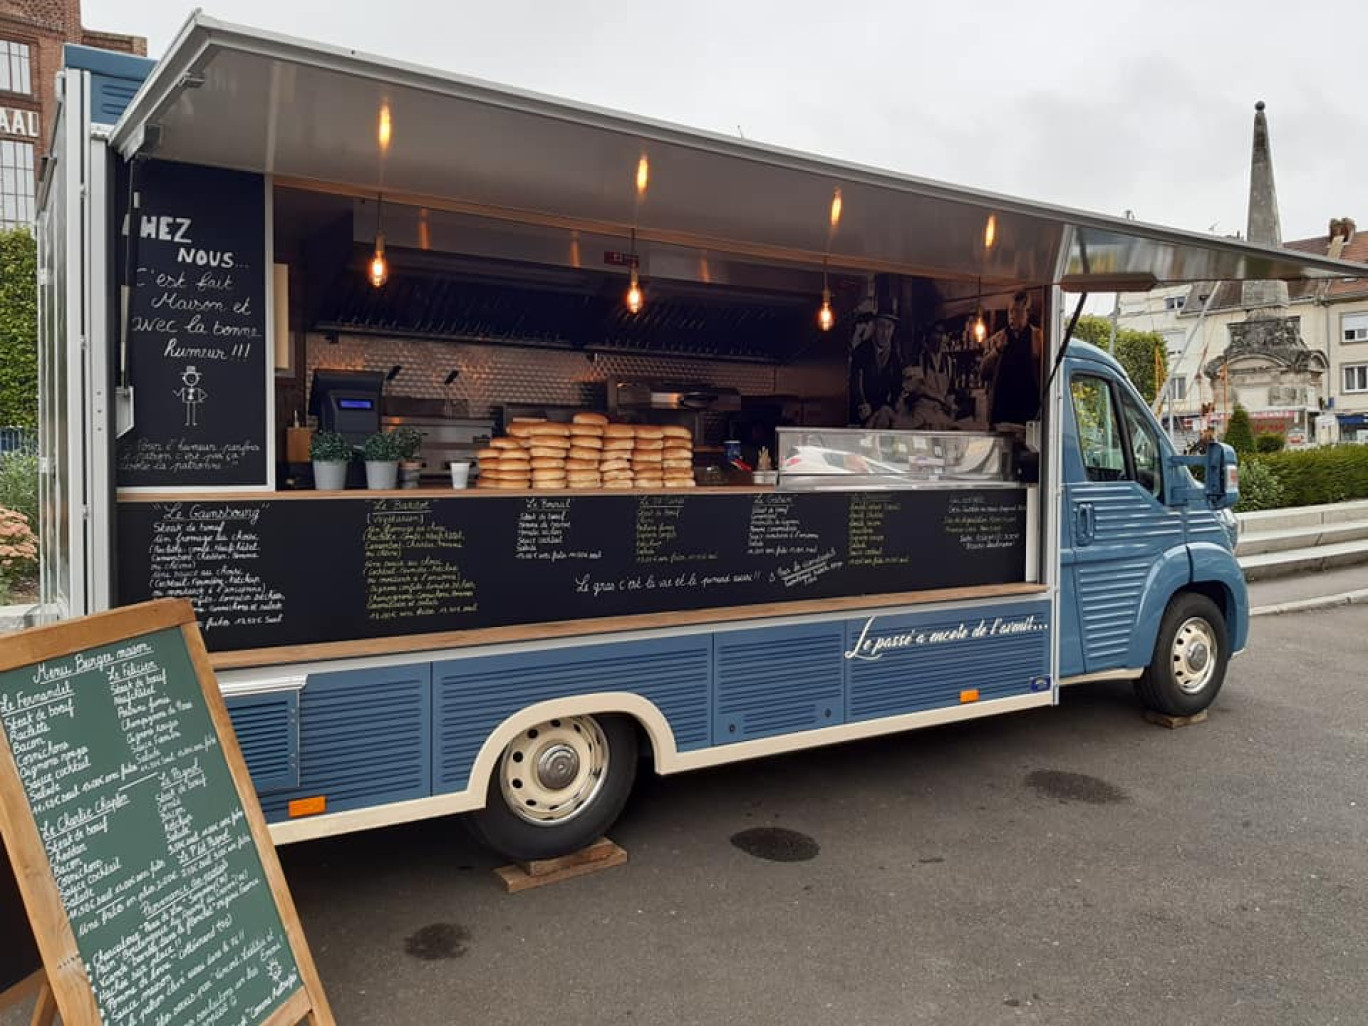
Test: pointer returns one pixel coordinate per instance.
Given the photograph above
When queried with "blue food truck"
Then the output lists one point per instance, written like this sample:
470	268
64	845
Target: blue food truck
708	450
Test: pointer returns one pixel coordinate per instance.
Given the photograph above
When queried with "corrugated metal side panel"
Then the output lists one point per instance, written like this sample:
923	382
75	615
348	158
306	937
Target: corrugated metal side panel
365	738
1006	652
1131	531
472	696
1109	596
1203	526
110	97
777	680
267	729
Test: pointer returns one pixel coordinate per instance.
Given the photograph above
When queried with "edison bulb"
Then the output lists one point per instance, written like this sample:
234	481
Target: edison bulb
379	266
634	296
825	318
980	328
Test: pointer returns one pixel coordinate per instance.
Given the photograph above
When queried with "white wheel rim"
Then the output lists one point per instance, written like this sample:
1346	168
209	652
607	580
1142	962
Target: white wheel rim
552	772
1194	655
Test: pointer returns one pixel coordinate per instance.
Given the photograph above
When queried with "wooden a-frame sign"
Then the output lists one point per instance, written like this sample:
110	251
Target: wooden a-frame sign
135	836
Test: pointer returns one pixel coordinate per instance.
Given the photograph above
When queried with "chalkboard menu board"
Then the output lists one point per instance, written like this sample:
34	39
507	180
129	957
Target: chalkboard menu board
294	571
197	343
132	812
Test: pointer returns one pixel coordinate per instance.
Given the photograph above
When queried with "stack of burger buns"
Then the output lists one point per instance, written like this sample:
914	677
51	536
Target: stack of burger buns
589	452
618	442
505	464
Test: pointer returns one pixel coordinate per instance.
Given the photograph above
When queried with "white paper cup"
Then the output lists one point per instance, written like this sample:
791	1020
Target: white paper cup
460	474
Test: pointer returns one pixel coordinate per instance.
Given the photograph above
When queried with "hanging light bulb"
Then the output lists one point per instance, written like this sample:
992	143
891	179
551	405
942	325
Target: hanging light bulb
378	270
835	209
634	296
379	266
643	175
980	327
825	318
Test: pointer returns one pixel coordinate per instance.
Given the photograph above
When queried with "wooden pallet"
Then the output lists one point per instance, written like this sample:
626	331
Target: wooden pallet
522	876
1174	722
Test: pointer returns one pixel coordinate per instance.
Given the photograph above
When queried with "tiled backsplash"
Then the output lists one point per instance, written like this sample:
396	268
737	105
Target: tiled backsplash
500	374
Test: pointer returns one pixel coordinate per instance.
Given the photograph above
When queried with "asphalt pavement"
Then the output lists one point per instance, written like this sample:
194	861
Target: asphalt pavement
1074	865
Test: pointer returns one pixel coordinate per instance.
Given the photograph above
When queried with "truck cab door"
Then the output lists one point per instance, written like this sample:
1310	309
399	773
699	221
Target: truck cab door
1120	536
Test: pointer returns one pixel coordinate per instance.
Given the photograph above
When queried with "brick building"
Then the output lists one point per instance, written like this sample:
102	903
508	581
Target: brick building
32	33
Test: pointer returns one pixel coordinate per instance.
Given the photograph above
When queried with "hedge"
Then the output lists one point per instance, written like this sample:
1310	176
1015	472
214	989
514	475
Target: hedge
18	329
1309	477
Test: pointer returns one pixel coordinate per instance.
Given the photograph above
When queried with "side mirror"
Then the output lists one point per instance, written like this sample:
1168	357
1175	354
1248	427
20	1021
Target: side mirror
1221	473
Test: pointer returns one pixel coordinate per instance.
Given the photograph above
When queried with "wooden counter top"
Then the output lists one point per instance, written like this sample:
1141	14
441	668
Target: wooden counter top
495	493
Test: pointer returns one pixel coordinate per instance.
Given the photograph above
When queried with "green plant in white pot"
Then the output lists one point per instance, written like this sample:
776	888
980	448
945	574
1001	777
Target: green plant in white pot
410	443
330	452
381	453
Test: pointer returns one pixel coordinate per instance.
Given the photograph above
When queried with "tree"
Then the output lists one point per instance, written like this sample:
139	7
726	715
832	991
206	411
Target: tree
1136	351
18	329
1239	432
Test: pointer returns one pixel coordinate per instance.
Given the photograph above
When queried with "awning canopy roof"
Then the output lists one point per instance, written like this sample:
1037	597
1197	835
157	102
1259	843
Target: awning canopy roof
310	114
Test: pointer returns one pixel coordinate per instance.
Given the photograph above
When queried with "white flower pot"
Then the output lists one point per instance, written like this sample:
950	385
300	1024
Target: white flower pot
381	475
330	475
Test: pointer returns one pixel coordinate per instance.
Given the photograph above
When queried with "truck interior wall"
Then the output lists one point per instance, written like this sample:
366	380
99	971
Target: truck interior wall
492	375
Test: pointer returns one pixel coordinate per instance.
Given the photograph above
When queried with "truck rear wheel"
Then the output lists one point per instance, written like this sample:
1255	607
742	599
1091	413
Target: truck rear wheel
1190	658
558	787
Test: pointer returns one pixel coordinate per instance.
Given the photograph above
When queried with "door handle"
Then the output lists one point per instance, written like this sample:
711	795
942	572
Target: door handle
1085	523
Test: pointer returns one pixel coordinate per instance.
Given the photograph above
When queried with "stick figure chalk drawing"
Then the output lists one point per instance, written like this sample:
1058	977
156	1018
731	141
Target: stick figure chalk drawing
191	395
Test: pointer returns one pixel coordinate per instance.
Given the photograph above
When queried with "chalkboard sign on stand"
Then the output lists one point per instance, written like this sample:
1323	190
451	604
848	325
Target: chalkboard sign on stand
150	883
198	351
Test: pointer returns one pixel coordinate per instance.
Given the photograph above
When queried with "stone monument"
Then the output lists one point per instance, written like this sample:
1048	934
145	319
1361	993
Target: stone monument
1267	364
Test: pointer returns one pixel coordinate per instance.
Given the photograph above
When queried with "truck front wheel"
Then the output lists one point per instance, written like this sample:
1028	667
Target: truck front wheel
1190	658
558	786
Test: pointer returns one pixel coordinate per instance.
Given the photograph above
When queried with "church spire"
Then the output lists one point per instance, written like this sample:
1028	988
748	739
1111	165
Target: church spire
1264	228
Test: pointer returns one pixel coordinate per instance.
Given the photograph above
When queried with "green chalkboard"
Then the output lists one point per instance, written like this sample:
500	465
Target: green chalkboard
149	845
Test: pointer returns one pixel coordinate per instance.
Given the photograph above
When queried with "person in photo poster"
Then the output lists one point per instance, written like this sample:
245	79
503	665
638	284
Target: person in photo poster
1011	366
920	406
876	380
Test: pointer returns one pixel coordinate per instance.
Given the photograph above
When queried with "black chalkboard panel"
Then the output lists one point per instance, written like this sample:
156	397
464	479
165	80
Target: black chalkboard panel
197	343
278	572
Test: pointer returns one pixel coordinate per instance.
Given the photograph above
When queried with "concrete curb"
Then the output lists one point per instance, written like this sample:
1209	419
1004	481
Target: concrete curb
1344	598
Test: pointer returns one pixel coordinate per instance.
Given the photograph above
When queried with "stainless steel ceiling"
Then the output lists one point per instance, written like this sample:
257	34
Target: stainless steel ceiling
236	97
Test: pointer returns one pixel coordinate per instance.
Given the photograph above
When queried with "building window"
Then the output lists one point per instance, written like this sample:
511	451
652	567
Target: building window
1177	389
15	72
1174	302
1355	327
1356	377
16	184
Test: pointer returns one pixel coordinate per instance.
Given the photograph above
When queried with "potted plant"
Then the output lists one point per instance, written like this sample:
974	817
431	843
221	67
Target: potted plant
409	441
330	452
381	453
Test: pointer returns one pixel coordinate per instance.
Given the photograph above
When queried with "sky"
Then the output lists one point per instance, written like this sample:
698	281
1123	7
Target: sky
1109	107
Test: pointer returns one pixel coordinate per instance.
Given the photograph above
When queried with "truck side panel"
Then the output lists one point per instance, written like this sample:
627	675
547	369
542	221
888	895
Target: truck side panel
367	737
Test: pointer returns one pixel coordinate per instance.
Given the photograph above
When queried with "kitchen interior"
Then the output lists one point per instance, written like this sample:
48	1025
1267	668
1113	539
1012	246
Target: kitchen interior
479	321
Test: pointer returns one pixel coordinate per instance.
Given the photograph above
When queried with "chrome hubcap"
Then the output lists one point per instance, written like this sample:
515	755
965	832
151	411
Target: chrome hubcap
553	771
1194	655
557	766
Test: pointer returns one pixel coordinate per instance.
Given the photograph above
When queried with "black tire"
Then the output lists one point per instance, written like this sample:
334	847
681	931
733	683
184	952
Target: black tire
510	833
1174	683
